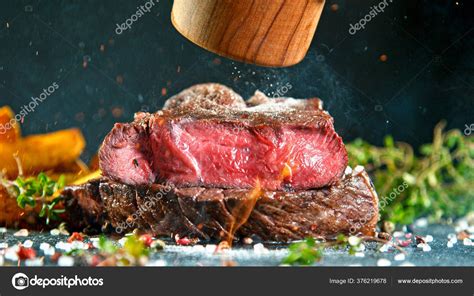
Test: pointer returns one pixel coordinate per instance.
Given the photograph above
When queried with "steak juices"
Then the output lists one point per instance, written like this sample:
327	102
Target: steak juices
272	168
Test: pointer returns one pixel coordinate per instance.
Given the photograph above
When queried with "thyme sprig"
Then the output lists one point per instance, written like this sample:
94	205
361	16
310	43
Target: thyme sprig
310	251
439	178
39	190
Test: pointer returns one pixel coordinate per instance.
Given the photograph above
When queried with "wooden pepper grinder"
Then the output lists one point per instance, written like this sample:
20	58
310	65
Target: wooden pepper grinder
274	33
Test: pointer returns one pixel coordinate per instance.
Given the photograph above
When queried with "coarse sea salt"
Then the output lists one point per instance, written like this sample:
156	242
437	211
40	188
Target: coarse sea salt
34	262
428	238
260	248
407	264
399	257
384	248
21	232
467	242
384	262
54	232
450	244
65	261
28	243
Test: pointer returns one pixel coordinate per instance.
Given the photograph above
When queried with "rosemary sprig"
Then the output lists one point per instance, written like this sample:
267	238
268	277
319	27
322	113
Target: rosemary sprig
437	182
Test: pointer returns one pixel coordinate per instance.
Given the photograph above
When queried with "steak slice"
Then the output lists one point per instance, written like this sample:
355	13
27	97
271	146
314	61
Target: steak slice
209	136
350	206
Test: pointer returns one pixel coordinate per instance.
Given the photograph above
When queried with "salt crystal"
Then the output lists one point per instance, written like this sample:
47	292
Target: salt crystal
348	170
398	234
63	246
49	251
407	264
28	243
423	222
34	262
11	254
122	241
399	257
21	232
44	246
210	248
3	245
259	248
54	232
426	248
384	262
467	242
450	244
156	263
384	248
358	169
428	238
65	261
353	240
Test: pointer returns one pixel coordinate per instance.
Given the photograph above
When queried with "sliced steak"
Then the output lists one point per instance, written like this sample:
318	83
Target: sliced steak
208	136
350	206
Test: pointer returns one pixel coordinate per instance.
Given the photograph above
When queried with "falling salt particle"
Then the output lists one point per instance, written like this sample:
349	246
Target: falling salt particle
65	261
36	53
28	243
21	232
399	257
384	262
8	25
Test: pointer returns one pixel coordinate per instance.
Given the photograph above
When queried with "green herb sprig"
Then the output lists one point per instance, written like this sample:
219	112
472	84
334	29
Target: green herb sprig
310	251
438	182
37	190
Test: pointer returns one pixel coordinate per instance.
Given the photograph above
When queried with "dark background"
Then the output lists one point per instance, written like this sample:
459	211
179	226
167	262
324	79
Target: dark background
104	77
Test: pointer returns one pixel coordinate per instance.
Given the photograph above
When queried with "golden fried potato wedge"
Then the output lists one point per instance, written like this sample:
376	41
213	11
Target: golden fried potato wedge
39	153
9	127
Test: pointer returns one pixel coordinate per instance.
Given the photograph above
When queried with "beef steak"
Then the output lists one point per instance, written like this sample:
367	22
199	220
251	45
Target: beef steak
350	206
209	136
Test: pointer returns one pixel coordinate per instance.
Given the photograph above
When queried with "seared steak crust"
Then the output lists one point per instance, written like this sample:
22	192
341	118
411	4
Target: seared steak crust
350	206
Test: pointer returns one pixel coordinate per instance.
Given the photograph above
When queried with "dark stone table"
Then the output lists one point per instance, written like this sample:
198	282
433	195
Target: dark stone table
269	255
